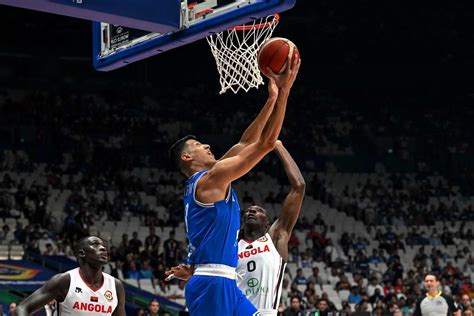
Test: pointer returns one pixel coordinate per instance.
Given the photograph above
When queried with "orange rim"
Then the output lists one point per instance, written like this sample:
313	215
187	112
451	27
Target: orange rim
276	18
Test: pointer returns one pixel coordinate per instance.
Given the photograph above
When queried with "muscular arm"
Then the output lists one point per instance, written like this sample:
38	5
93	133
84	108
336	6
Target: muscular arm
120	309
214	184
253	132
283	226
56	288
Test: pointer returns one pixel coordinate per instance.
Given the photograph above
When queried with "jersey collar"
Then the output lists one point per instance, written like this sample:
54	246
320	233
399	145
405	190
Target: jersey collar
433	297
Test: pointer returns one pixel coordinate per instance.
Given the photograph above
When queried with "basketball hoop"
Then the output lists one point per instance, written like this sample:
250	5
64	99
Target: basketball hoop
235	51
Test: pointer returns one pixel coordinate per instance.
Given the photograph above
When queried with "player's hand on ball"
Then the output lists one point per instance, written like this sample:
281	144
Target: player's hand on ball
286	79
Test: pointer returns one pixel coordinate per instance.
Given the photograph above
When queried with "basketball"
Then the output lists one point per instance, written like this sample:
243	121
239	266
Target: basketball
274	54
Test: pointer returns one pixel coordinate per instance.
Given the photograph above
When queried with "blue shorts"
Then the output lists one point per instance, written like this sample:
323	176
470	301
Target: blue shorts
216	296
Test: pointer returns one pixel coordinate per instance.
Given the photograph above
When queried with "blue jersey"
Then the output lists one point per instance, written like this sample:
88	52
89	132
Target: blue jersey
212	229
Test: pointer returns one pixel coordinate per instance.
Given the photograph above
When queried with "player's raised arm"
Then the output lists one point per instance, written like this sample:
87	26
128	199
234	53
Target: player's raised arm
55	288
253	132
283	226
227	170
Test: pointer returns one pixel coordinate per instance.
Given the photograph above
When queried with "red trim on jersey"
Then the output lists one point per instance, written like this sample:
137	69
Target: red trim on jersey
89	286
247	241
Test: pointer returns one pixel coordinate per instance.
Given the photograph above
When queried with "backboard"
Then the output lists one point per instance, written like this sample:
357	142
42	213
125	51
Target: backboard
116	45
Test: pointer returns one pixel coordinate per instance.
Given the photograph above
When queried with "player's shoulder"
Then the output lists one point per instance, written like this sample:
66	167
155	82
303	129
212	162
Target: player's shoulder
62	277
447	297
420	299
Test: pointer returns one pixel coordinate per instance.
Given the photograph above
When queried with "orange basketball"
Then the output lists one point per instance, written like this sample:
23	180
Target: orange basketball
274	54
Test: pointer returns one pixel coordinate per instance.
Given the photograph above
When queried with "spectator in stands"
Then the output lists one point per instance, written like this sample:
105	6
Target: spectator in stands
323	307
5	235
19	233
469	264
362	263
153	308
12	308
315	278
465	302
311	305
354	296
285	290
374	284
318	221
295	308
306	259
160	271
124	246
294	290
170	247
49	251
360	245
117	272
114	254
450	269
152	243
362	307
331	252
375	257
467	312
343	283
376	297
135	244
146	271
310	291
299	278
33	247
132	272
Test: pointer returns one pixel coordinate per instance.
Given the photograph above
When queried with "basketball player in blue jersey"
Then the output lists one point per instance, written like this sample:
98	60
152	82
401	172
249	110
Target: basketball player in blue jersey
211	209
263	249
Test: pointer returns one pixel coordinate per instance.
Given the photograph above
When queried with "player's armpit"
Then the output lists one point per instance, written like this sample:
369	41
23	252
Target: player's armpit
214	184
120	309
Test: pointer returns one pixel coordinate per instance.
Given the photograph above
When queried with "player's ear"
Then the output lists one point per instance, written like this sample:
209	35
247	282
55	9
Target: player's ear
186	157
81	253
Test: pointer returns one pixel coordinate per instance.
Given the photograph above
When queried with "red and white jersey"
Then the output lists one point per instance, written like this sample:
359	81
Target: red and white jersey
260	274
82	300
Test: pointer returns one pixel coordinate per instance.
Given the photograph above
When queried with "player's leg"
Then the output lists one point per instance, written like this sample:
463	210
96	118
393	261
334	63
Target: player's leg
243	306
210	296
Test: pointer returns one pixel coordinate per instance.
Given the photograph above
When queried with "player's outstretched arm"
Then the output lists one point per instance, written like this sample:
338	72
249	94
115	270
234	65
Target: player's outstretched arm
56	288
253	132
284	82
214	184
283	226
120	309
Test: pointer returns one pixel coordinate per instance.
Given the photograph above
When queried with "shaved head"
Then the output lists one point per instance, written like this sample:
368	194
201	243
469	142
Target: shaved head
82	243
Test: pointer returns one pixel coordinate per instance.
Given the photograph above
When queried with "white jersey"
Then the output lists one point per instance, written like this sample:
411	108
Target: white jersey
82	300
260	273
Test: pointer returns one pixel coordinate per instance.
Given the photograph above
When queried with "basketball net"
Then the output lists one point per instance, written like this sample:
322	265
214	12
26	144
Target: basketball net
235	51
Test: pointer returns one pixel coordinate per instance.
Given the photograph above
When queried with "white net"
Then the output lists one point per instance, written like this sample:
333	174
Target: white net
235	52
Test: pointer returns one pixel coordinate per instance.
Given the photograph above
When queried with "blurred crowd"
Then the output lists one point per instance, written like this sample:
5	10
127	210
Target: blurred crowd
87	145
